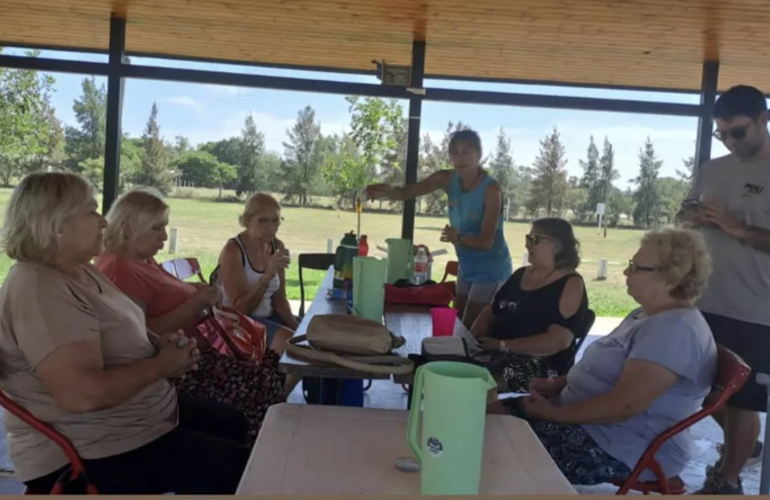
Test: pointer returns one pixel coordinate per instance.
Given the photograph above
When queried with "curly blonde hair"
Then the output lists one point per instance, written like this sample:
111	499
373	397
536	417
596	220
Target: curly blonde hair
38	207
683	260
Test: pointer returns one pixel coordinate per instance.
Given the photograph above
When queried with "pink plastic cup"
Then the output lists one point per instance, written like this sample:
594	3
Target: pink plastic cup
443	321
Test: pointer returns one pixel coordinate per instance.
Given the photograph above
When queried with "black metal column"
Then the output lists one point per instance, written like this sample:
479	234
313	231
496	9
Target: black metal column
413	141
708	96
114	112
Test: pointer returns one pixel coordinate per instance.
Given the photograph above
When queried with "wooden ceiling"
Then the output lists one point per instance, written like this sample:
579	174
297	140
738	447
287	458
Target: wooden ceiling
635	43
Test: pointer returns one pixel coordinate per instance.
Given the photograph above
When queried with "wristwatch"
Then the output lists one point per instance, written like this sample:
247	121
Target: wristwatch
503	347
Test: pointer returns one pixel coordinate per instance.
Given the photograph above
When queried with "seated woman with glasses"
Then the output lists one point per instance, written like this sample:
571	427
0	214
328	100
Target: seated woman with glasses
252	271
136	232
652	371
539	313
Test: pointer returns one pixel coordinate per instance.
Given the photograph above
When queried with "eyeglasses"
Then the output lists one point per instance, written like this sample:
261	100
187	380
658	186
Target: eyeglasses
634	268
263	221
737	133
534	239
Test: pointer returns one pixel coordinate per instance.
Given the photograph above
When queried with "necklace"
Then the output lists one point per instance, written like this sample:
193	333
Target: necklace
472	185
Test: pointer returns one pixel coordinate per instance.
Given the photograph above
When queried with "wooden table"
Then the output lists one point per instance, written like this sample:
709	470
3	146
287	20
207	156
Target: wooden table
332	450
412	323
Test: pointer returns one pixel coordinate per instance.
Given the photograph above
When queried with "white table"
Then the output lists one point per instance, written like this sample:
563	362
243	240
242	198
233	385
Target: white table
414	323
332	450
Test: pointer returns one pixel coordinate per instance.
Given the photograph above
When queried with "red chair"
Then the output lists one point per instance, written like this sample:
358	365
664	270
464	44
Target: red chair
184	268
76	470
451	270
732	373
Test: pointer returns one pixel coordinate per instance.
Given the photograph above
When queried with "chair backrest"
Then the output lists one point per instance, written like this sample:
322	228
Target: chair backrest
587	325
183	268
732	373
452	268
318	261
77	469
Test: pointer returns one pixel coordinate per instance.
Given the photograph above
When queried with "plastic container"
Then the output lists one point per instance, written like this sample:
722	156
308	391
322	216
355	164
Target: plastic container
443	321
420	267
363	246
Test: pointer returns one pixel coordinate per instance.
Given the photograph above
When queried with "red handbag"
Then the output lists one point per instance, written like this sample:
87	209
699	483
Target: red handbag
233	334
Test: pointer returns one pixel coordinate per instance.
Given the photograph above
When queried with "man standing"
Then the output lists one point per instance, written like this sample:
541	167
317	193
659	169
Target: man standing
730	204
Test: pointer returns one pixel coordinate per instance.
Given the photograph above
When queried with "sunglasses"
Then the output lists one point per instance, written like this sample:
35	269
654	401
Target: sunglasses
635	268
534	239
737	133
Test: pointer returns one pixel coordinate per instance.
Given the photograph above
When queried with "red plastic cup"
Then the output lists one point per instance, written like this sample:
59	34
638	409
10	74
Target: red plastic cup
443	321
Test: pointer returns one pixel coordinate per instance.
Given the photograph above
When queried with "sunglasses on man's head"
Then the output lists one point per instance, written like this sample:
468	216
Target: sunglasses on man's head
737	133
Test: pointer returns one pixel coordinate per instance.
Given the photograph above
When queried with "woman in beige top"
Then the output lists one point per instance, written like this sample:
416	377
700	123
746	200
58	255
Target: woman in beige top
75	352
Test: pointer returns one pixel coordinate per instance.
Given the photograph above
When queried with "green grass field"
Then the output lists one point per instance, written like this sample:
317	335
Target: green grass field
204	226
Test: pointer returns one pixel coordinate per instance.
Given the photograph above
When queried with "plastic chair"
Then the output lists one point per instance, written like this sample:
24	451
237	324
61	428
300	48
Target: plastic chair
590	319
318	261
452	268
732	373
76	469
184	268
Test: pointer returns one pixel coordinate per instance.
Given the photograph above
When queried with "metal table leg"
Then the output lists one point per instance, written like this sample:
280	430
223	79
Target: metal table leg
764	485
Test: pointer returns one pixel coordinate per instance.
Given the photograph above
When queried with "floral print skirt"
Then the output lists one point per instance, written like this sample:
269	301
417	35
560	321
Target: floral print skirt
250	387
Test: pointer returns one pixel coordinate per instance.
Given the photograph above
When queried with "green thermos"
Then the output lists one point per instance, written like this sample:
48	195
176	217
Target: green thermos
343	260
448	440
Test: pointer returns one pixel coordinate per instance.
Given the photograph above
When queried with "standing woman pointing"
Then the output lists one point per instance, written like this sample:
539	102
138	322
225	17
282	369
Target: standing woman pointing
475	222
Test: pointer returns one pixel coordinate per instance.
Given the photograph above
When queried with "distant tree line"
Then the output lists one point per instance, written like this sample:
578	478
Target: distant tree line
315	165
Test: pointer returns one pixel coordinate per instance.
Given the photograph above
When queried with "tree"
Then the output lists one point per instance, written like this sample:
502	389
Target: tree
688	173
87	141
605	189
371	124
549	186
28	129
251	176
646	196
504	171
619	203
153	171
198	167
303	156
671	192
591	181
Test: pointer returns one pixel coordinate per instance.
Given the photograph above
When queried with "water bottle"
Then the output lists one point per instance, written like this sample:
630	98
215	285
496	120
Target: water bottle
420	267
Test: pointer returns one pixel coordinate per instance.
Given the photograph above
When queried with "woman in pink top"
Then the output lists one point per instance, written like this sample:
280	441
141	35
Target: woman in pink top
136	232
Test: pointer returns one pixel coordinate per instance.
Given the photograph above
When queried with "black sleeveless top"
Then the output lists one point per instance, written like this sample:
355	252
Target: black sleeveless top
522	313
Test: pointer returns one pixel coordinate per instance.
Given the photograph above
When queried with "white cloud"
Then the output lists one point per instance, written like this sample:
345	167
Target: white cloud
185	101
226	90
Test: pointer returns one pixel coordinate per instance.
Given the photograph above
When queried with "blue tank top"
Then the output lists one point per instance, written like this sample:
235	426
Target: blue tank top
466	213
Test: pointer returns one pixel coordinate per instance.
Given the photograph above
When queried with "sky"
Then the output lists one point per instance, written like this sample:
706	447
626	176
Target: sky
207	113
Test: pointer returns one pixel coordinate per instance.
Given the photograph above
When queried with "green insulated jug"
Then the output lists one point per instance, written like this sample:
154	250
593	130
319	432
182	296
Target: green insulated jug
400	259
448	440
343	260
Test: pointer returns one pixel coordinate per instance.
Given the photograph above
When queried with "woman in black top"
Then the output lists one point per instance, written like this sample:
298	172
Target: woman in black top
540	312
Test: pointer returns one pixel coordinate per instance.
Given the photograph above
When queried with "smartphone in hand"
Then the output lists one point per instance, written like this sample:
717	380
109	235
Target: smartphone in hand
691	204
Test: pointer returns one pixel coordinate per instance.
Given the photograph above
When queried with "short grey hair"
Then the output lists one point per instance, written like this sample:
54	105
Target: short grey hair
683	260
38	207
133	213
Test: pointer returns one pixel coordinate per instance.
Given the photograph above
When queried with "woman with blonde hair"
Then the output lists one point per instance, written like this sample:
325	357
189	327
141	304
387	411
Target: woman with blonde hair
252	270
75	352
136	232
652	371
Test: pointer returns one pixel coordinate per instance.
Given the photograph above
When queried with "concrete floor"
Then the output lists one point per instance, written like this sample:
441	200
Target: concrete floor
385	394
